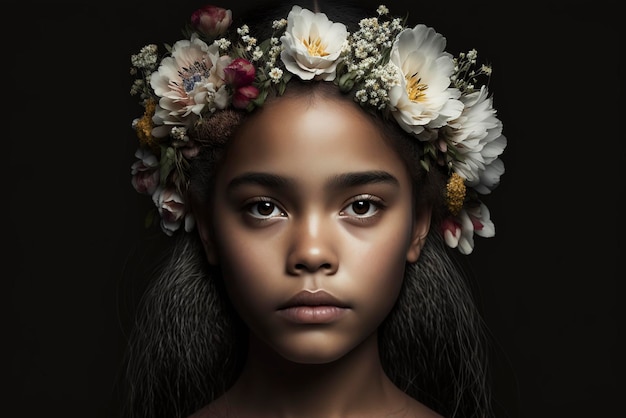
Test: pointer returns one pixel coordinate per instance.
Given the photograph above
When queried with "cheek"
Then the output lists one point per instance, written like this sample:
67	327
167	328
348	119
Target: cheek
249	272
379	276
380	284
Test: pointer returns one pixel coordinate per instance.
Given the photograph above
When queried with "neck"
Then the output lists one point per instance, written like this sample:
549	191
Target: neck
354	384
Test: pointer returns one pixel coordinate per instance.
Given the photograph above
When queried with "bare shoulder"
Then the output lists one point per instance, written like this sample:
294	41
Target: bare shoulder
414	409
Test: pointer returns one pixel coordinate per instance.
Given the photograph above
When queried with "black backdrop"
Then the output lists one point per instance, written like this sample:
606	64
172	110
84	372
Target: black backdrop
74	242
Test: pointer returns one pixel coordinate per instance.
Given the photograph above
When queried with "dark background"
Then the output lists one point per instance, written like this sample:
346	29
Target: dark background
74	241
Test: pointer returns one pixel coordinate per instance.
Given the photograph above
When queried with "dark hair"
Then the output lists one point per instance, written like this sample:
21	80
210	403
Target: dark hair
188	343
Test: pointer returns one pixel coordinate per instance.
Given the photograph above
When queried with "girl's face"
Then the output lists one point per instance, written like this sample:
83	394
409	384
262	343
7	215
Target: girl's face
312	226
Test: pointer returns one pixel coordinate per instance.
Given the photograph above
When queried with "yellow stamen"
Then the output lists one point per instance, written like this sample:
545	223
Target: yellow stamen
455	193
315	47
415	88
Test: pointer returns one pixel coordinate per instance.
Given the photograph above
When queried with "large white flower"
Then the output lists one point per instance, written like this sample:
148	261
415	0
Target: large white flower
312	44
424	98
188	81
477	137
458	231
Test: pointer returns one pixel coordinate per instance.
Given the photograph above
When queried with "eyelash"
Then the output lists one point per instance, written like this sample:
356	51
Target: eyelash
253	206
371	201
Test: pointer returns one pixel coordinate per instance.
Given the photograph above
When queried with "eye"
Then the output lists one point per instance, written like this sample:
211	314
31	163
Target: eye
364	206
264	209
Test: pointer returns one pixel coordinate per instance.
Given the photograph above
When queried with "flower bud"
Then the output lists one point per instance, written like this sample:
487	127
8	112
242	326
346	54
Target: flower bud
346	82
211	21
239	73
244	95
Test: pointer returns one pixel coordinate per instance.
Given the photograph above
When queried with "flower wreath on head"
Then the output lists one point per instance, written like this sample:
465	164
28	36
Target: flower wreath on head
403	72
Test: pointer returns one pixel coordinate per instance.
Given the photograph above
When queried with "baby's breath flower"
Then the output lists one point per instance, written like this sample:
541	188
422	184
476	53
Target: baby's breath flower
146	58
223	43
276	74
465	75
279	24
257	54
137	87
179	133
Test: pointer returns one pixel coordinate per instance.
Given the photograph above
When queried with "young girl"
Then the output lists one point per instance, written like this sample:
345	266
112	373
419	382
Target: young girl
315	169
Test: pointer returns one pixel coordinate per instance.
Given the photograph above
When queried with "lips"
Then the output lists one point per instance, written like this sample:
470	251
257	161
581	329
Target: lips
317	298
308	307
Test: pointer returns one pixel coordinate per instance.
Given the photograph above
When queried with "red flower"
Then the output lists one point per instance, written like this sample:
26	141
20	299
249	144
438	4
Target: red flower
239	73
211	21
244	95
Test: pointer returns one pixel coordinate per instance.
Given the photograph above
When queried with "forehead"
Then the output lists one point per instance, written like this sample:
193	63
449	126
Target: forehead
303	135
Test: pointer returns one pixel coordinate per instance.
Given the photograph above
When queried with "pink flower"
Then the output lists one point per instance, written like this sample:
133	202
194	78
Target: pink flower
145	172
239	73
211	21
173	210
243	96
458	232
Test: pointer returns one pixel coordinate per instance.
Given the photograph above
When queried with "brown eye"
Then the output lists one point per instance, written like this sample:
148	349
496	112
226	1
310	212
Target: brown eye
361	207
265	208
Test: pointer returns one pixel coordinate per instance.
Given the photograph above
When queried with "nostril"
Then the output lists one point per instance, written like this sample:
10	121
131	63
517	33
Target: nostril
303	266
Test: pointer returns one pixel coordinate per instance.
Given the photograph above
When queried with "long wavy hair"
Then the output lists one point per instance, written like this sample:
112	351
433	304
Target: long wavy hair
188	344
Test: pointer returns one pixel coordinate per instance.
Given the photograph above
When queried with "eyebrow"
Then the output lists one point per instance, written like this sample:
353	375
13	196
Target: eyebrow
344	180
260	179
360	178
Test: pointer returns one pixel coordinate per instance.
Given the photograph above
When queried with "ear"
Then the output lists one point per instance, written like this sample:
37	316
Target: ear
421	226
205	231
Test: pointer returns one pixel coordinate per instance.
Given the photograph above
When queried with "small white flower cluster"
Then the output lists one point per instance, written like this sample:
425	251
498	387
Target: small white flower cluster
376	88
147	58
364	54
179	133
249	41
266	54
465	77
273	70
145	61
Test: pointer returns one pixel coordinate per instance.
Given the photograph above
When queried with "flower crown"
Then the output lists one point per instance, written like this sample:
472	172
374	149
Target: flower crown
403	72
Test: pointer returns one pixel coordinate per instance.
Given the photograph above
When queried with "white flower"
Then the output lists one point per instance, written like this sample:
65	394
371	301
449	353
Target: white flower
172	209
424	98
187	82
458	231
312	44
477	137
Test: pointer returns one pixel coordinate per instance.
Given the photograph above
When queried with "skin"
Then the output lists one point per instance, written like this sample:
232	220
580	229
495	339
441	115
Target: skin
310	197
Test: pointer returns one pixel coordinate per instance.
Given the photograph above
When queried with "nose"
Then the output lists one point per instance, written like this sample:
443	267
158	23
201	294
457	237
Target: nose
313	247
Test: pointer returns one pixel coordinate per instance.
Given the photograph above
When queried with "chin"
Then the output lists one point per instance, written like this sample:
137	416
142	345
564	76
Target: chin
308	352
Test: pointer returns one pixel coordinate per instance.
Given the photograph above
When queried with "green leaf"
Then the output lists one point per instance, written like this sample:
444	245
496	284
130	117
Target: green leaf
149	219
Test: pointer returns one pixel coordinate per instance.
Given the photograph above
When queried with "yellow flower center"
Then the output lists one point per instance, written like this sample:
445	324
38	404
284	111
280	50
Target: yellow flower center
315	47
455	193
415	88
